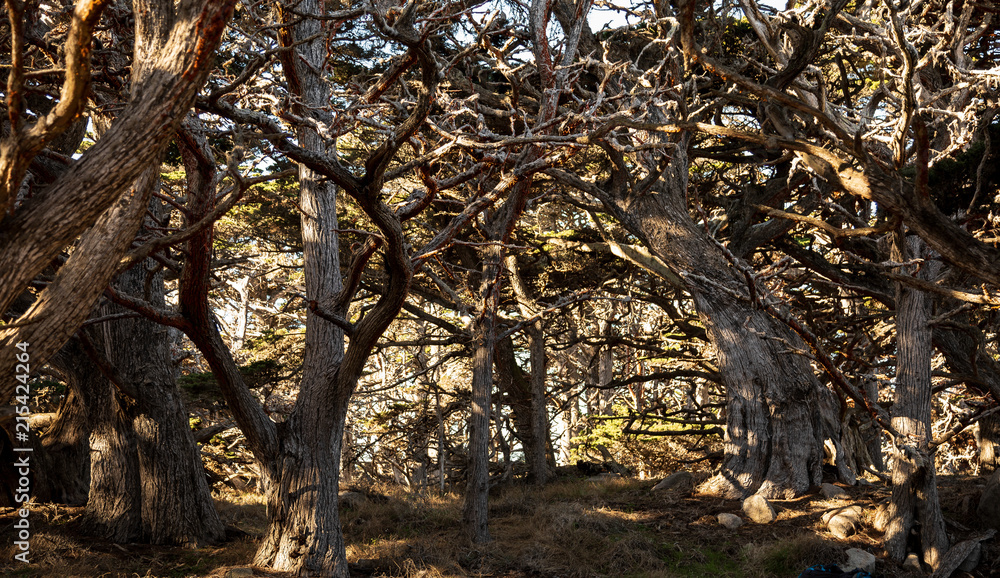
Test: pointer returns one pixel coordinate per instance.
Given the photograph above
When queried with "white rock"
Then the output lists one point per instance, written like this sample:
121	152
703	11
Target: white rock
859	560
679	482
758	509
832	492
731	521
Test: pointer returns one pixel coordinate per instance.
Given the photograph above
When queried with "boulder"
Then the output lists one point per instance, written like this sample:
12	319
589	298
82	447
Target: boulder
832	492
843	522
858	560
677	482
731	521
239	572
912	562
758	509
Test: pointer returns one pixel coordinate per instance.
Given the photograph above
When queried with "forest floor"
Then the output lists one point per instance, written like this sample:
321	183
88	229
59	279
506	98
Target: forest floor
572	527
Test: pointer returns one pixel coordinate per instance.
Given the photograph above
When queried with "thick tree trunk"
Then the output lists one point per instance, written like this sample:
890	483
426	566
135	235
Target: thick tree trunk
144	428
989	443
31	237
774	434
538	464
914	486
304	534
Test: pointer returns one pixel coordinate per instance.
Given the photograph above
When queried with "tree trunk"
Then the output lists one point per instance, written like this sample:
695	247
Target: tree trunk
143	438
476	509
63	472
774	433
535	444
914	487
989	443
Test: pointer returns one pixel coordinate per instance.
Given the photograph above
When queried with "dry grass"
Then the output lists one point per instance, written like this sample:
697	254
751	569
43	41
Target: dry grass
571	528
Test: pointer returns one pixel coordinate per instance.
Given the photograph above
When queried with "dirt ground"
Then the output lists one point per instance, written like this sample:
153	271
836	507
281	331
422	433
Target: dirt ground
573	527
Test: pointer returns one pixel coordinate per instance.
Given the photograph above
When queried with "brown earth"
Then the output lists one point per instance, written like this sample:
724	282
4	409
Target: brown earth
571	528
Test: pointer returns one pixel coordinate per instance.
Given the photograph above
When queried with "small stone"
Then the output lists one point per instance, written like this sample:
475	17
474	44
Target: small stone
679	482
731	521
832	492
758	509
972	560
239	572
912	562
859	560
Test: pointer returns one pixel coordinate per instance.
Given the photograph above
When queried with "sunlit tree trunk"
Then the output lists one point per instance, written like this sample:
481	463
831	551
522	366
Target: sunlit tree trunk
914	486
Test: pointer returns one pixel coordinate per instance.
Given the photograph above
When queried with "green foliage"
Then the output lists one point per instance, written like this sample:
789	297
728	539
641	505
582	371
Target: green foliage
203	385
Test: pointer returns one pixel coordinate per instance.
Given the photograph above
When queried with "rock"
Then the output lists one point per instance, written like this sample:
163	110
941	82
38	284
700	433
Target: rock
843	522
858	560
852	513
678	482
832	492
912	562
239	572
989	503
352	500
731	521
972	560
758	509
841	527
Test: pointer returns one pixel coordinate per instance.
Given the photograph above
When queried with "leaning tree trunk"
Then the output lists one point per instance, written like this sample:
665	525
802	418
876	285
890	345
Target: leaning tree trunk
914	500
774	432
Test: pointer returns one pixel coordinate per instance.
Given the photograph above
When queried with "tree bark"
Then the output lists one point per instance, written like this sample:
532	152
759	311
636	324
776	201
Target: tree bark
989	443
914	486
774	433
535	444
476	510
187	33
144	429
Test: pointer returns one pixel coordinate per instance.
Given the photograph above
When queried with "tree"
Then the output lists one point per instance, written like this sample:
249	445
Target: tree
102	189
